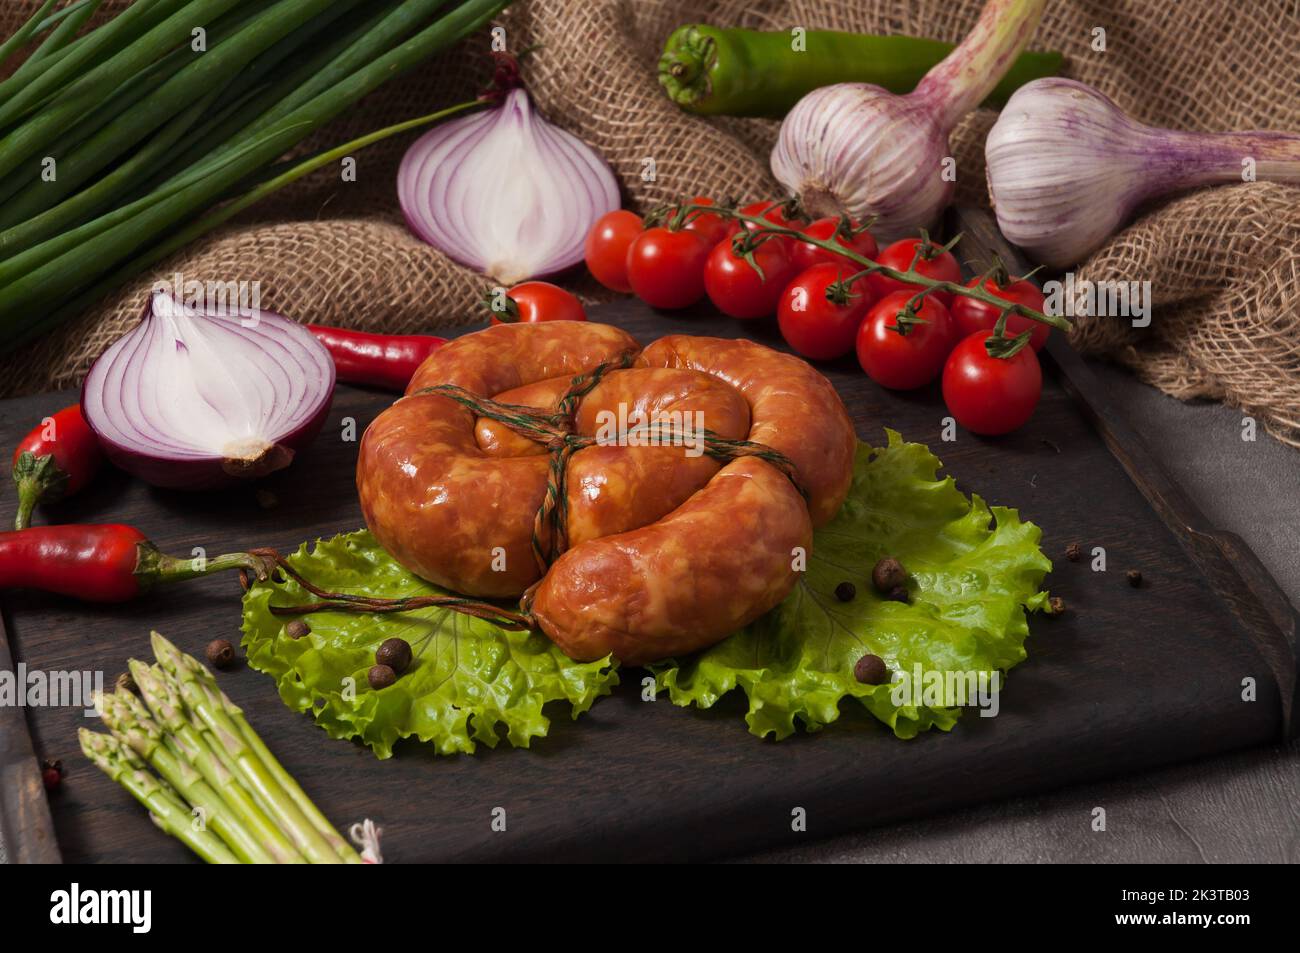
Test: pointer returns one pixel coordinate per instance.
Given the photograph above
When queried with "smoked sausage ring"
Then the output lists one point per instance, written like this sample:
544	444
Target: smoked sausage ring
670	549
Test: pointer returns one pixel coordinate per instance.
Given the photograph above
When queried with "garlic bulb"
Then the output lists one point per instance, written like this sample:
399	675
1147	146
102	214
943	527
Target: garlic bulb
876	155
1067	167
860	150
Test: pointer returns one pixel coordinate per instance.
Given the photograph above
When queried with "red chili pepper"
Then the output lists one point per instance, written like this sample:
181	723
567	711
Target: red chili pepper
379	360
103	562
55	460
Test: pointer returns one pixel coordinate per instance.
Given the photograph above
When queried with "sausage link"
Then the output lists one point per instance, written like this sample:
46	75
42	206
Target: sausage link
433	499
669	551
713	565
795	409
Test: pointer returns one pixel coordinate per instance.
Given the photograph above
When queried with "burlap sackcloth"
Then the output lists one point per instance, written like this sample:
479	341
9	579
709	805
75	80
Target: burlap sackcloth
1224	263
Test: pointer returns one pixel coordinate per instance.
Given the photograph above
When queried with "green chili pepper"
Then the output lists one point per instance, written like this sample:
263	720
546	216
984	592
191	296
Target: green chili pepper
733	72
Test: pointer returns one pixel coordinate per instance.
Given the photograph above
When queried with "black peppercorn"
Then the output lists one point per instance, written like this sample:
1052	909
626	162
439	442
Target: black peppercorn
871	670
1134	578
395	653
899	594
845	591
297	629
380	676
888	575
1073	552
221	653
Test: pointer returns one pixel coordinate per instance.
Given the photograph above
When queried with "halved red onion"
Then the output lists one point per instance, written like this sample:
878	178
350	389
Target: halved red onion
196	400
505	192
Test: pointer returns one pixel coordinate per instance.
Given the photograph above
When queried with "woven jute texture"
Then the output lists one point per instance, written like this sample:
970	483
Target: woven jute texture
1224	263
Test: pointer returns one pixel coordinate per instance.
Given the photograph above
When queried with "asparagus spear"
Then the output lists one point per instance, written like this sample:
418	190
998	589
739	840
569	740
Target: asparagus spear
130	723
168	811
291	787
224	736
165	704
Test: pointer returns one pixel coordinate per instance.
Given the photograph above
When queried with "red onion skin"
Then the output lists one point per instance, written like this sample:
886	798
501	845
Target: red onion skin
208	473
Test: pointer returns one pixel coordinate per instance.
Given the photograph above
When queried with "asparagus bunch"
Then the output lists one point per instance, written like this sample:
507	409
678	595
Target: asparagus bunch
215	786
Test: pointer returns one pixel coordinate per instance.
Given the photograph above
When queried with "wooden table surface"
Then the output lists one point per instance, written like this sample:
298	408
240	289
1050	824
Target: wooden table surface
1241	808
1128	678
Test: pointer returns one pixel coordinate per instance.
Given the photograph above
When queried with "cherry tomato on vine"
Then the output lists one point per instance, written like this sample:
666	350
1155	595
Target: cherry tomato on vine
904	361
783	214
854	238
737	289
533	301
819	313
991	395
666	268
607	245
969	315
777	212
935	263
712	228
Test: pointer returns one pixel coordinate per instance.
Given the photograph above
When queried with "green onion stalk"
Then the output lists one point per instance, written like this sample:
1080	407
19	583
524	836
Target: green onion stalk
156	142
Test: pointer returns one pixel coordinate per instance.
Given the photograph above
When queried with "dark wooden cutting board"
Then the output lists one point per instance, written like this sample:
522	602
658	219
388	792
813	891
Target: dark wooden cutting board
1126	679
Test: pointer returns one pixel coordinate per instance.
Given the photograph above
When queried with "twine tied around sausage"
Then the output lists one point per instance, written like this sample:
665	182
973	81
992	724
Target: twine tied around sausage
550	538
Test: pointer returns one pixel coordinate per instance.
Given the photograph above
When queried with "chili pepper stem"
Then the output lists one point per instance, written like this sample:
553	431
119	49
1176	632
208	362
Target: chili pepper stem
39	479
154	566
29	494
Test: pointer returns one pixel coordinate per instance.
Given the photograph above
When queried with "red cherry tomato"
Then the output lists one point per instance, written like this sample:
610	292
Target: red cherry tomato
991	395
806	254
776	212
606	247
819	315
737	289
666	268
711	228
534	301
940	266
969	315
910	360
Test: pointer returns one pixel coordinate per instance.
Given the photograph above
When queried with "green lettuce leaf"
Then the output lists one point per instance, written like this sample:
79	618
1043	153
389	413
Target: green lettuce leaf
469	680
971	585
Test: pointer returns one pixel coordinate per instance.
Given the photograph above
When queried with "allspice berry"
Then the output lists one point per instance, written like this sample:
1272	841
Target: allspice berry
380	676
221	653
395	653
52	775
871	670
1056	604
1073	552
297	629
888	575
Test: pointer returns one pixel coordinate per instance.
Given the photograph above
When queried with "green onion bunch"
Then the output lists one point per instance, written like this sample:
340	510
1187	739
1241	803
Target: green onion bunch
121	145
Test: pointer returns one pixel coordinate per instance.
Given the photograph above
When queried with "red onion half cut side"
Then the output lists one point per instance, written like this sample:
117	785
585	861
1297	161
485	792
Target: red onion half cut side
192	399
505	192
